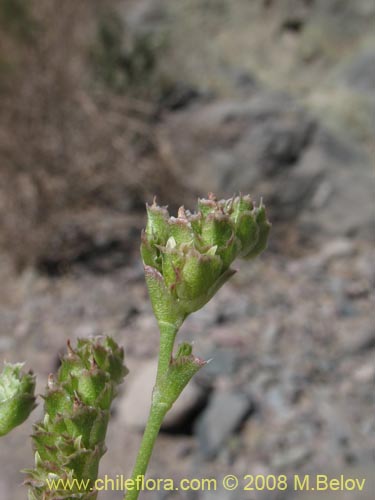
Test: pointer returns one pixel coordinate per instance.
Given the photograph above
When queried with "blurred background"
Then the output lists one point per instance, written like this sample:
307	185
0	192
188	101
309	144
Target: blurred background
105	103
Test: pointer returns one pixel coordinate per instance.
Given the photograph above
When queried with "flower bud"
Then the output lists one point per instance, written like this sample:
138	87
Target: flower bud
187	258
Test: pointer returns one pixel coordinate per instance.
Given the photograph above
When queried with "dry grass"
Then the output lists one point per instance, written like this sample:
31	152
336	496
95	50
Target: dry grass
68	145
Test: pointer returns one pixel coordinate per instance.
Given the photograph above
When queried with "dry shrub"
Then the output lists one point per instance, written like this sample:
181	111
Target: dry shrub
70	148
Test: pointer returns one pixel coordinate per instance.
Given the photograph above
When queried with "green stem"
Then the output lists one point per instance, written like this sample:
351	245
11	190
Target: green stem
168	333
158	409
154	422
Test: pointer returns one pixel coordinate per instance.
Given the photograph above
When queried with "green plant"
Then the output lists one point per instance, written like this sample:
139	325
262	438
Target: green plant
186	260
69	442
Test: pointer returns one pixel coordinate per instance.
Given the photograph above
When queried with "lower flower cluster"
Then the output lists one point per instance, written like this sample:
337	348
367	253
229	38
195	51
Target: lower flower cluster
70	440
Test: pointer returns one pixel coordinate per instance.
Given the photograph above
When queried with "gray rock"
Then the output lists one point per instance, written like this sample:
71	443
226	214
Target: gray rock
235	143
267	144
360	73
347	172
224	362
221	494
337	248
363	341
144	15
291	457
134	405
223	416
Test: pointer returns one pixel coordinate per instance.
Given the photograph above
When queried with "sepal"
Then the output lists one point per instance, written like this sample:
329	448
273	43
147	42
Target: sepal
181	370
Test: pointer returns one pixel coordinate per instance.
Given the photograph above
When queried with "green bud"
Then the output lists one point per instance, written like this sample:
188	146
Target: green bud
164	303
264	228
207	206
69	442
180	230
157	229
239	205
150	253
217	229
16	396
197	273
188	258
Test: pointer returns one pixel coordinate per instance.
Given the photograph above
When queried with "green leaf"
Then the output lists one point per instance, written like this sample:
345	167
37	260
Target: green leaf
180	371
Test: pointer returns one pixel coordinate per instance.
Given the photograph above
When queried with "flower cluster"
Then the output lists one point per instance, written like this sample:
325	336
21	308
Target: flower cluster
69	442
187	258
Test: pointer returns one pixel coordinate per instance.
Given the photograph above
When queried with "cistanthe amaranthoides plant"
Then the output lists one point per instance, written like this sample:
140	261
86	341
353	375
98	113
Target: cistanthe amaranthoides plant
186	260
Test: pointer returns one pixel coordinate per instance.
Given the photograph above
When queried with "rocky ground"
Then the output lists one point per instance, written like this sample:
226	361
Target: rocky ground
289	388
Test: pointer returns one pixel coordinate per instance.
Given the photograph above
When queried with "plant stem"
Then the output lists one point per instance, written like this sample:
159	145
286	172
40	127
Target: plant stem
168	333
158	409
154	422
